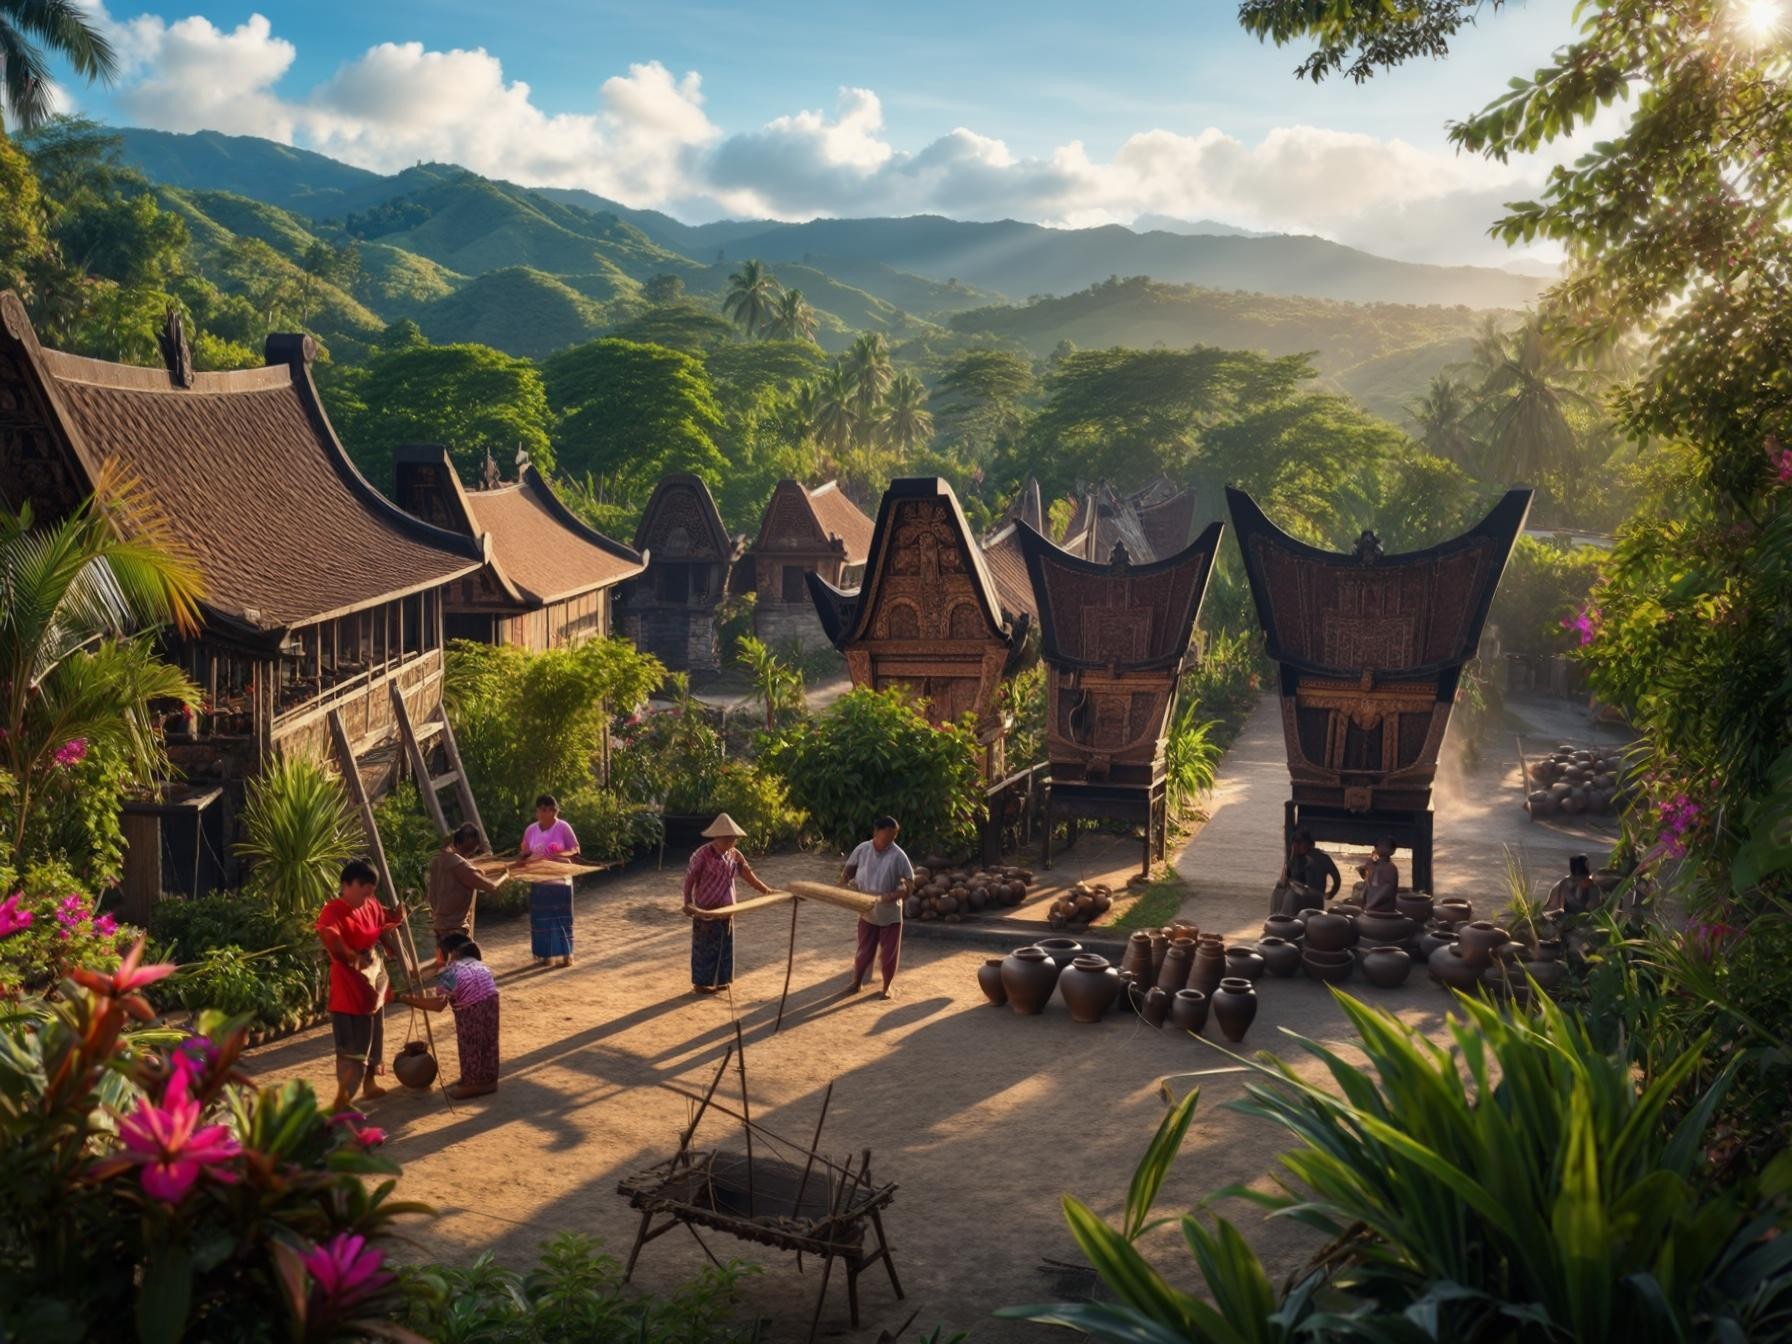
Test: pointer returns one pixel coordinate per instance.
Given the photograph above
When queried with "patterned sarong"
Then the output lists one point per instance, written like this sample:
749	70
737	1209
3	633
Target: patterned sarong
550	919
712	952
476	1035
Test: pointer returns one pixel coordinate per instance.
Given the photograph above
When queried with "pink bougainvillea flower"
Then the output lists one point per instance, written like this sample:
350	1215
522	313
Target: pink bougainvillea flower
346	1270
1678	816
105	926
72	752
1783	467
1584	623
167	1141
129	976
12	917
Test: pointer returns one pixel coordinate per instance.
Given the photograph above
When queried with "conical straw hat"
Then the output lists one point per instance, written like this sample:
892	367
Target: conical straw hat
722	825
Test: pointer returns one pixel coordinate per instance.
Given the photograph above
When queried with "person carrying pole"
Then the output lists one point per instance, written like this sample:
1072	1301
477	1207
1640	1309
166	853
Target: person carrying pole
877	867
709	885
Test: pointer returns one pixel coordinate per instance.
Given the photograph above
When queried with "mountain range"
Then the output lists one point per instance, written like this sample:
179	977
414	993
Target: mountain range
533	269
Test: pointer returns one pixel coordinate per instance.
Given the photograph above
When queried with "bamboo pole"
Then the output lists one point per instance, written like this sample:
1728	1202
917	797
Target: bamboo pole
789	964
859	902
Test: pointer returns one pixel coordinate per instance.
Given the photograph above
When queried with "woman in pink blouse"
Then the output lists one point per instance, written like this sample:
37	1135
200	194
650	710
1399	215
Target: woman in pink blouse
709	885
550	902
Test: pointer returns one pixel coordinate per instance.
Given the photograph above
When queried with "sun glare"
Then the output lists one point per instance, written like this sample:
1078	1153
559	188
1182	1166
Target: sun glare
1762	19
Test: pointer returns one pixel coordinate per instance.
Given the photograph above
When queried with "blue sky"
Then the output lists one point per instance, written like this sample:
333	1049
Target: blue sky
1065	113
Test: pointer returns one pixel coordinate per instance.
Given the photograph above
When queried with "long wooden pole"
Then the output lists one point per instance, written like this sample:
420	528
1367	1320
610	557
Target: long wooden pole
789	963
746	1107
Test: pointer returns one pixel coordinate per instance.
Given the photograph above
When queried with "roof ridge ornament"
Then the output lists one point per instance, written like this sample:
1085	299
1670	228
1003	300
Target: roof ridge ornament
1119	560
1368	548
177	356
489	476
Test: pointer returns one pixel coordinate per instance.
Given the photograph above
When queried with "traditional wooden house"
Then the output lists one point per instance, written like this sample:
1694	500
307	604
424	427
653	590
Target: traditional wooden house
322	615
548	578
669	609
1116	638
1371	648
927	614
804	531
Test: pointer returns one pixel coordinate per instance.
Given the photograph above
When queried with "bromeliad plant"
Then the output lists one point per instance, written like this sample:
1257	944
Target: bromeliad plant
1525	1186
298	832
152	1193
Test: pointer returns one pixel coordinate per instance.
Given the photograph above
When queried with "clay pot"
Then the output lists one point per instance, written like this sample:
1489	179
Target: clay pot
1181	928
1131	995
1327	932
414	1066
1188	1010
1234	1007
1209	968
1548	949
1378	930
1306	915
1432	938
1280	956
1548	974
1452	970
1452	911
989	980
1415	905
1060	950
1244	962
1029	975
1387	967
1137	957
1160	944
1284	926
1173	974
1477	940
1331	967
1090	987
1157	1006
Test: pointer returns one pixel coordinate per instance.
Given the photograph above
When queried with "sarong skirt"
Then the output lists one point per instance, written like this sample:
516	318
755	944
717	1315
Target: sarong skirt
712	952
476	1036
550	919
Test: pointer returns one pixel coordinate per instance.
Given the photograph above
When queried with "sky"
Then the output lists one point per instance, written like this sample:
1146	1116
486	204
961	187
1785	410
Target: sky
1068	114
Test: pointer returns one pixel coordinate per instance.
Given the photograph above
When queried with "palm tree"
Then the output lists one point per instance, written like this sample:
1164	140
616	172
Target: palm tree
906	424
60	28
792	318
752	297
836	419
1526	397
1441	415
868	365
778	684
71	596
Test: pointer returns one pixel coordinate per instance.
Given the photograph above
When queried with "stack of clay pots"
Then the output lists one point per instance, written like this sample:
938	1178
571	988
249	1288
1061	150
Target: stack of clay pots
1082	903
949	894
1573	779
1025	979
1326	950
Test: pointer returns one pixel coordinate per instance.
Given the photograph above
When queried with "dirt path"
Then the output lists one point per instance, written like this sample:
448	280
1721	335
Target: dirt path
984	1118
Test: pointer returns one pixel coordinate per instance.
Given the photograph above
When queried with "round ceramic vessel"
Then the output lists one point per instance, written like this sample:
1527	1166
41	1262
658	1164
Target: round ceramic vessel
1029	975
1234	1007
989	980
1188	1010
1327	932
1387	967
1089	986
1245	962
1279	955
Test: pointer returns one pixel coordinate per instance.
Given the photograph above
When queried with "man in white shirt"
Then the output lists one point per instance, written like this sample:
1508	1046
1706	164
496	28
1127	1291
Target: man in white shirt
876	867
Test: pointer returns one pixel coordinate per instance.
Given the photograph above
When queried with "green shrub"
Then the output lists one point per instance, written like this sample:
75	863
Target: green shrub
670	757
610	828
1191	755
575	1295
225	943
760	802
298	831
1544	584
874	752
1025	705
1227	682
49	926
410	840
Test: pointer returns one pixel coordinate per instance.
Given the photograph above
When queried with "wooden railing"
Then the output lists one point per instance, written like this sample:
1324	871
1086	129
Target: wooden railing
1014	808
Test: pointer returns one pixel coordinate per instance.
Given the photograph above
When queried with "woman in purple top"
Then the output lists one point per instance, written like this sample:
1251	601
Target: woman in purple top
467	987
550	902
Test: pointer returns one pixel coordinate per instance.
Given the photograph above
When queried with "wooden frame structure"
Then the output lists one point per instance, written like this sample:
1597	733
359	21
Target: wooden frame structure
547	578
826	1210
1371	648
1116	638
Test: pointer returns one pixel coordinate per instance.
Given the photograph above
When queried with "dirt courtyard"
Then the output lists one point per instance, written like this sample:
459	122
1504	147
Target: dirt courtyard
982	1117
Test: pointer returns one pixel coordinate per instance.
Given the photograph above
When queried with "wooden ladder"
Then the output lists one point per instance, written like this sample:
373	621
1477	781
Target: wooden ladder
429	786
357	792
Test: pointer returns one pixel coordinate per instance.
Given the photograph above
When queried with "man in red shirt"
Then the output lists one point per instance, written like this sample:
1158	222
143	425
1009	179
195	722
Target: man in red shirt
350	928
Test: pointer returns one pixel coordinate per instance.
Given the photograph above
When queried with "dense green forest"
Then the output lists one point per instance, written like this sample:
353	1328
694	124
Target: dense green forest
491	318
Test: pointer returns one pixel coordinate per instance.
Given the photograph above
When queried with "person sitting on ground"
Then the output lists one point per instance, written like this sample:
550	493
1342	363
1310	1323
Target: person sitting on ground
1576	893
876	867
468	987
1381	878
351	926
1309	877
454	885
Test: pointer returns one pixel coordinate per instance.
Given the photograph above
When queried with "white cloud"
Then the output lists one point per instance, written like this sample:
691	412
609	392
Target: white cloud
648	141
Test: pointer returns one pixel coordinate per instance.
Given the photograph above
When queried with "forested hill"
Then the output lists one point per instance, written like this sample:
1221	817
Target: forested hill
1012	259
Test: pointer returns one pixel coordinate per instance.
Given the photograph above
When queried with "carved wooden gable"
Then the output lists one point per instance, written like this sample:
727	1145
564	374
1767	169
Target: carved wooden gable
1371	647
1115	638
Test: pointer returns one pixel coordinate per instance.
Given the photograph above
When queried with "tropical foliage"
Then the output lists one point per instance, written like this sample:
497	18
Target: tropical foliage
32	34
298	831
49	926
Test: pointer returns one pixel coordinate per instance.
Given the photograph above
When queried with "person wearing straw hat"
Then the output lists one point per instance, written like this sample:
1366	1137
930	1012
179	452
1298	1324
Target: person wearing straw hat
709	885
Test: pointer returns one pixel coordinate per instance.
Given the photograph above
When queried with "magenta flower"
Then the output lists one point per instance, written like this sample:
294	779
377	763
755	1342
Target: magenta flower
126	980
105	926
367	1137
1678	816
12	917
72	752
169	1144
1783	467
346	1270
1584	623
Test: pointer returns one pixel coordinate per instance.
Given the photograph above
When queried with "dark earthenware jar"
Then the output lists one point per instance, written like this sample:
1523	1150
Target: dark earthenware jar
1451	970
1157	1006
989	979
414	1066
1137	957
1244	962
1279	955
1234	1007
1209	968
1548	974
1306	915
1131	995
1331	967
1327	932
1029	975
1435	936
1477	940
1415	905
1379	930
1453	911
1284	926
1181	928
1173	974
1387	967
1188	1010
1060	950
1089	986
1160	944
1548	949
